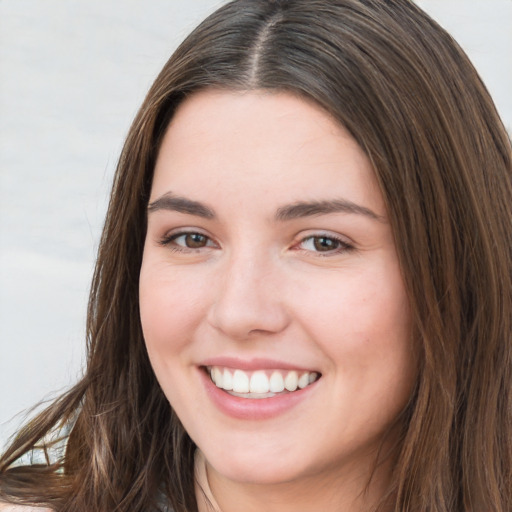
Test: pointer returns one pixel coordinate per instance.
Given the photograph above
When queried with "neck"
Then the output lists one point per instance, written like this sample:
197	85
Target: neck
342	490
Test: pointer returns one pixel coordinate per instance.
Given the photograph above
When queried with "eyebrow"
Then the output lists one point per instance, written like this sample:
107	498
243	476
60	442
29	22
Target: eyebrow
175	203
297	210
313	208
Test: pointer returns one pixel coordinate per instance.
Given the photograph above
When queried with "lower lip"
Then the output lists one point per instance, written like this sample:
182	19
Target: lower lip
253	408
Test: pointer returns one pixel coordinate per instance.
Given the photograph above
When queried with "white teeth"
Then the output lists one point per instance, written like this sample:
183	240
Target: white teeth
240	382
276	382
217	377
227	380
258	384
291	381
303	381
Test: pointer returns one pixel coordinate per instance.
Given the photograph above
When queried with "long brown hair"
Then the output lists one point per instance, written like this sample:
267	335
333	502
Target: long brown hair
414	103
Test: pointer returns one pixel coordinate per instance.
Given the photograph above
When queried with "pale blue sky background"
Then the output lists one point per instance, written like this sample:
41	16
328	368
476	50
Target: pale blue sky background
72	75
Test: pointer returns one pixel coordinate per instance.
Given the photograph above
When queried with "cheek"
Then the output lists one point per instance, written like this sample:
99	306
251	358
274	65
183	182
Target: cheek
171	304
358	307
170	310
362	324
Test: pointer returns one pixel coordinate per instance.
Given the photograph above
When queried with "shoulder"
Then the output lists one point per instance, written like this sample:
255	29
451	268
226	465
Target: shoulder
6	507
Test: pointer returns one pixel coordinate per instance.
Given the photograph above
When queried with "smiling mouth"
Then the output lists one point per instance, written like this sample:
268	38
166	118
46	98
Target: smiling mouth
260	383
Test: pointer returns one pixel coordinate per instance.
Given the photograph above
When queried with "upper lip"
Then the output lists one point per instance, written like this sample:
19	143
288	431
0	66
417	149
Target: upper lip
254	364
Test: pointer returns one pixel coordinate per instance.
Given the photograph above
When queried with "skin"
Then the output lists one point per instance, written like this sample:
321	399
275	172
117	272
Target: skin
321	292
4	507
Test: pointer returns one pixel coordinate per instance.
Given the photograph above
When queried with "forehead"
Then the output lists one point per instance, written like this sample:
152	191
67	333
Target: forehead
261	144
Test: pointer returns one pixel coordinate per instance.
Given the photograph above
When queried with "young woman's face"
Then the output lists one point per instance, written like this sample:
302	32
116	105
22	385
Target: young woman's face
270	268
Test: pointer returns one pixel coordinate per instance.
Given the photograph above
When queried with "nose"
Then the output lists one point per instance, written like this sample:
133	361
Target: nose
249	299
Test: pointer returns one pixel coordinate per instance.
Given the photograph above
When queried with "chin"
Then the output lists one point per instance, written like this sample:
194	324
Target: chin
257	473
259	464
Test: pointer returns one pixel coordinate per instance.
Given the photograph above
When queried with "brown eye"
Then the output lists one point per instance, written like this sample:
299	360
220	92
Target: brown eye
184	241
194	240
324	243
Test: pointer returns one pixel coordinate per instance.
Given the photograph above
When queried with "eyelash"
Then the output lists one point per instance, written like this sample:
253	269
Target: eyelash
341	246
170	241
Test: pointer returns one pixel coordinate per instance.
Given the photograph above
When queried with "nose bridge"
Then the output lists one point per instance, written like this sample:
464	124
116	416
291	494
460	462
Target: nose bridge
249	297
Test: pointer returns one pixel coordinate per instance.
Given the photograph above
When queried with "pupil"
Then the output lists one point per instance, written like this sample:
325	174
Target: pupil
323	243
195	240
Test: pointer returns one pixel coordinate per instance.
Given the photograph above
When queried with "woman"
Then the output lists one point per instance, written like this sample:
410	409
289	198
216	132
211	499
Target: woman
307	254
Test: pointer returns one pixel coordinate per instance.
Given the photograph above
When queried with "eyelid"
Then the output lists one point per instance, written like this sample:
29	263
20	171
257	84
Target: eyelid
168	238
346	244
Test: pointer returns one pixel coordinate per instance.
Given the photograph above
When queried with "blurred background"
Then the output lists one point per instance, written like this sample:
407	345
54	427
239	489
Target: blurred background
72	76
